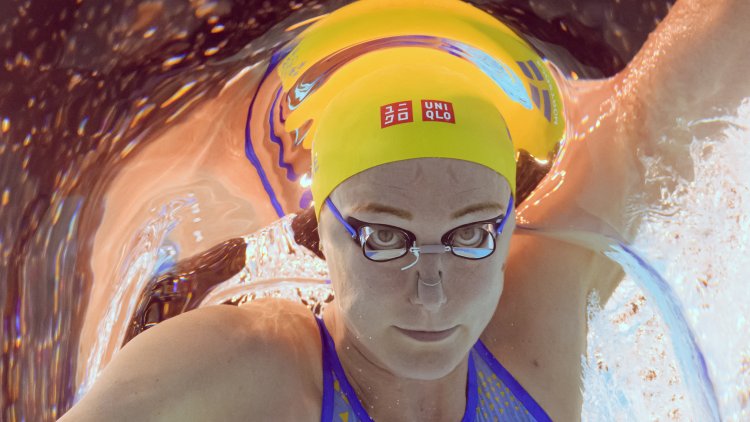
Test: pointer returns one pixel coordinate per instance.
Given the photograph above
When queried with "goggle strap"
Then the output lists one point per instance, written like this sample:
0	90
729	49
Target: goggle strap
505	218
337	214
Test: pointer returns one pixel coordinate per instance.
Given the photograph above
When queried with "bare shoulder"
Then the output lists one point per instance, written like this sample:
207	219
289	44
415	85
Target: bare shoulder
256	362
538	331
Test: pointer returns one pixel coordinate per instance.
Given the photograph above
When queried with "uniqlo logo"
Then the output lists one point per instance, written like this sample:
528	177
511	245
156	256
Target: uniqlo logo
396	113
437	111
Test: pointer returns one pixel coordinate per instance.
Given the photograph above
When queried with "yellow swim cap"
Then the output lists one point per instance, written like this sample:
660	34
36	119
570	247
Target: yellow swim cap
403	103
380	81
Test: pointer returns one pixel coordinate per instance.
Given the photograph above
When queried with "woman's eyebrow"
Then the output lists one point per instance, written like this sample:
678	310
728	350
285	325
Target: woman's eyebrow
387	209
484	206
383	209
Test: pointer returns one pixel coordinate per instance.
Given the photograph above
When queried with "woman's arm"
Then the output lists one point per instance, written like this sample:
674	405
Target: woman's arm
213	363
691	69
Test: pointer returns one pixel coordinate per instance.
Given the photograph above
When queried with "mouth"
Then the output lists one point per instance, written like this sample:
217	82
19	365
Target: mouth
428	336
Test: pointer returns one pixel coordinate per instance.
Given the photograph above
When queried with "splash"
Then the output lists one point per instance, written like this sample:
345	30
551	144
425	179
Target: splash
697	237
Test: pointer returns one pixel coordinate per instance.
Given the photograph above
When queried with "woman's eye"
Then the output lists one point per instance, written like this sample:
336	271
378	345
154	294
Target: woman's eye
385	239
470	237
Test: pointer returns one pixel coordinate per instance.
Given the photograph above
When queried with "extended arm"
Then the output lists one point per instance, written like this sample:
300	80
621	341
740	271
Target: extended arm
694	66
691	69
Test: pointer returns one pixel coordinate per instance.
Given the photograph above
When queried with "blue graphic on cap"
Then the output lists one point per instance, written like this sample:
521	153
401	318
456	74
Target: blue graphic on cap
503	75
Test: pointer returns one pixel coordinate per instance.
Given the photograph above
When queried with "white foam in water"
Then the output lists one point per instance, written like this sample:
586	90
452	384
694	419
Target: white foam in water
699	243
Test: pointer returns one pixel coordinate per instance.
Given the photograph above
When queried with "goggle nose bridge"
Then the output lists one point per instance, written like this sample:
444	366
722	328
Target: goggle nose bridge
416	250
430	249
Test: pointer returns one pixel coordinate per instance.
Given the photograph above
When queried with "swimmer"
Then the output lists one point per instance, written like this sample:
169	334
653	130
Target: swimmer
442	313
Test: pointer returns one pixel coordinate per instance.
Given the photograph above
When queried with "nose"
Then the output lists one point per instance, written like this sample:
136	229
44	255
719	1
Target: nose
430	293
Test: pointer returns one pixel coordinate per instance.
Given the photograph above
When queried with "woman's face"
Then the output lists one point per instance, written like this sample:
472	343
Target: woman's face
377	301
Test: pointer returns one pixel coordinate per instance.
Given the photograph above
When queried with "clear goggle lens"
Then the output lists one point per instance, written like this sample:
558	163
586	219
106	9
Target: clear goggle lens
476	241
381	243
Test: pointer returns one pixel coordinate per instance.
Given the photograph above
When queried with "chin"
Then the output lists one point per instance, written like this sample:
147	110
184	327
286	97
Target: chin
427	361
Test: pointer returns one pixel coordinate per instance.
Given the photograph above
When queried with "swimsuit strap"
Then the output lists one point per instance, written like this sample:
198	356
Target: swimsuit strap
471	392
513	385
327	410
332	359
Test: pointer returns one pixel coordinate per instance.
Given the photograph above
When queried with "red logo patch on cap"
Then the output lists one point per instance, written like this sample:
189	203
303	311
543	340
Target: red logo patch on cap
438	111
396	113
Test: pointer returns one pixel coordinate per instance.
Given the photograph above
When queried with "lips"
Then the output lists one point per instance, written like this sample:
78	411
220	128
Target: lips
428	336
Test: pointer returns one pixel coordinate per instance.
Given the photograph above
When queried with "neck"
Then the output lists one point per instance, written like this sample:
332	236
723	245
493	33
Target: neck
388	396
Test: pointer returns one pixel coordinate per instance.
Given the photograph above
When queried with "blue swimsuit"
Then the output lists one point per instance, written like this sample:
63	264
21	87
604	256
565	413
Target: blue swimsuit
492	392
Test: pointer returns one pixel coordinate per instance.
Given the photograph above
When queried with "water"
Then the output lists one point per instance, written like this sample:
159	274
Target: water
697	238
124	157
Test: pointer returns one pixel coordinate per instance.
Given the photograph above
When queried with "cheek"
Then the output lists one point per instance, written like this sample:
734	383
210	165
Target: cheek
476	286
364	291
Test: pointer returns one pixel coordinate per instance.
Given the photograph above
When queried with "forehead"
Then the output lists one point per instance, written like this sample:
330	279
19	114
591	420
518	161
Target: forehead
424	183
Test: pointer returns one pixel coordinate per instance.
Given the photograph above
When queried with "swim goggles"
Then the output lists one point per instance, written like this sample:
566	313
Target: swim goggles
382	242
